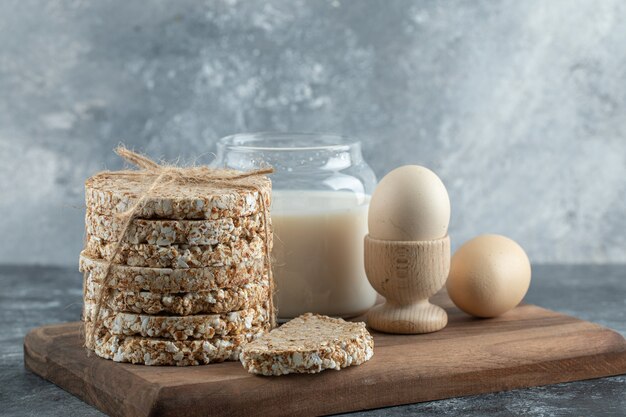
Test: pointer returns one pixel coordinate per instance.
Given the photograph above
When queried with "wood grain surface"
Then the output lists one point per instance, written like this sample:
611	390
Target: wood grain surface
407	274
526	347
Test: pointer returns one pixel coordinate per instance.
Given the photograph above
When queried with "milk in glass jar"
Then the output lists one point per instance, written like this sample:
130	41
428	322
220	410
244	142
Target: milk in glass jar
320	194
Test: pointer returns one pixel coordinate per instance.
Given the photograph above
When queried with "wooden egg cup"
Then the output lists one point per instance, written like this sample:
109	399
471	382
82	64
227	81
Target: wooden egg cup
407	274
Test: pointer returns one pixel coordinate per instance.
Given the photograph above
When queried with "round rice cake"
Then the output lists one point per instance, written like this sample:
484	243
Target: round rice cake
116	192
310	343
221	300
169	232
177	256
201	326
167	280
150	351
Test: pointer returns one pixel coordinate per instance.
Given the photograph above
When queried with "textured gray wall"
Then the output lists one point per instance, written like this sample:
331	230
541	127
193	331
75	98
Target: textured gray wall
518	105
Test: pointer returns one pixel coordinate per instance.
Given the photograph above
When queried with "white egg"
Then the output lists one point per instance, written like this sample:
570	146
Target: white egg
410	203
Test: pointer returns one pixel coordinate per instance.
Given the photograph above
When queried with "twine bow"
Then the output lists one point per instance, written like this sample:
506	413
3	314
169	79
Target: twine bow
166	175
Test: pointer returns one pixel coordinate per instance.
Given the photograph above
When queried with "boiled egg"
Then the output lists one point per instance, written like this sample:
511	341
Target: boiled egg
409	204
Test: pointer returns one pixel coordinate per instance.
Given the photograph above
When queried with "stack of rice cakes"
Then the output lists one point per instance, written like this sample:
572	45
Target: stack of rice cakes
190	283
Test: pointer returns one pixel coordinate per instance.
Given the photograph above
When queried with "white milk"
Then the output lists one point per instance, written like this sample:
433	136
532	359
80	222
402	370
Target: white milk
318	253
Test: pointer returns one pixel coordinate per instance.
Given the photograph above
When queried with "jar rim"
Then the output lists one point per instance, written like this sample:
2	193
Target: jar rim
298	141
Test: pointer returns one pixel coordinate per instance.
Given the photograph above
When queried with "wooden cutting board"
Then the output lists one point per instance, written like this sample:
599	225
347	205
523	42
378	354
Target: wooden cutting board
526	347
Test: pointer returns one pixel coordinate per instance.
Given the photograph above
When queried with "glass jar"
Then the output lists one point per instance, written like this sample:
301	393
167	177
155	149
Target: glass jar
321	189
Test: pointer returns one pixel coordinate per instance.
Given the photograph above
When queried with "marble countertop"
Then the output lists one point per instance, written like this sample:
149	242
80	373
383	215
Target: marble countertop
34	296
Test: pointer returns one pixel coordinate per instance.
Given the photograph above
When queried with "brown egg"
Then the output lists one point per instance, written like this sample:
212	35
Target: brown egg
489	275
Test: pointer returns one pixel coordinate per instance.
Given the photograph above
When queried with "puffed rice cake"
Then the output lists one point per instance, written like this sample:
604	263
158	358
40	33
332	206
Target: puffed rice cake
168	232
177	256
221	300
308	344
110	193
152	351
167	280
201	326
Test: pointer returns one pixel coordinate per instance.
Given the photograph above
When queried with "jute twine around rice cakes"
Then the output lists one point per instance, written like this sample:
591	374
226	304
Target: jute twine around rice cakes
166	192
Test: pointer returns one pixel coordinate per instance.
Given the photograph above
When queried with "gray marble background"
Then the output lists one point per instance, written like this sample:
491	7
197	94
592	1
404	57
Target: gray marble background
518	105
